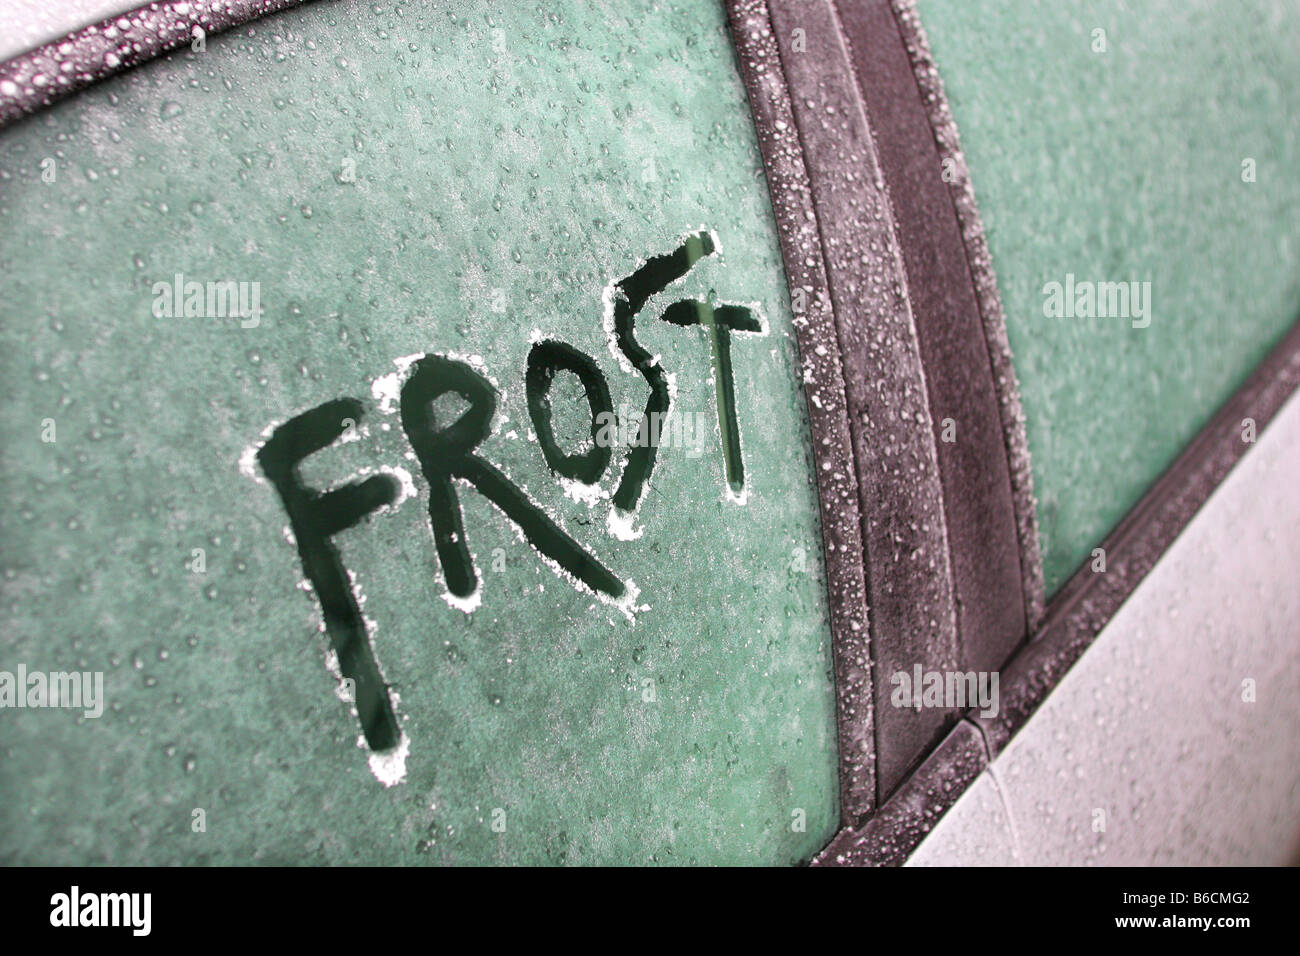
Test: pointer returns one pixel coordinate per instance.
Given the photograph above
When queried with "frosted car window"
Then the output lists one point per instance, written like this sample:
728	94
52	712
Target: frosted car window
1132	311
310	371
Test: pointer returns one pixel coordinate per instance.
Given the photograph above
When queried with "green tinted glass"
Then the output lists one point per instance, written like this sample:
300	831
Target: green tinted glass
1127	143
566	210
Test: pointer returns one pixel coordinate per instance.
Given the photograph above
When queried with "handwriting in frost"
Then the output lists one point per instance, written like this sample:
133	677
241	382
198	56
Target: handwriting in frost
450	450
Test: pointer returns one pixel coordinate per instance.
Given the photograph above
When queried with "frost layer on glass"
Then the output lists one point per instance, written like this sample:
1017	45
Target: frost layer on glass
293	221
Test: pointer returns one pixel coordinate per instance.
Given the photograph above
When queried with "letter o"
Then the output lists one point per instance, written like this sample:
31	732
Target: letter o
544	360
